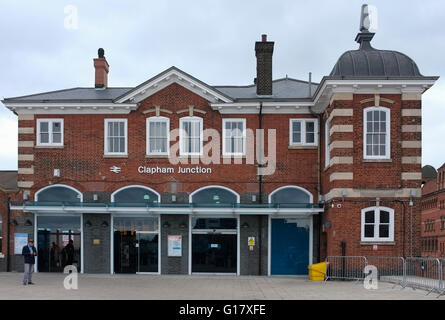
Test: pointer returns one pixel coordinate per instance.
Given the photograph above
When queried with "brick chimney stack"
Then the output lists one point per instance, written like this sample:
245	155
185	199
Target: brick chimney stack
101	67
263	53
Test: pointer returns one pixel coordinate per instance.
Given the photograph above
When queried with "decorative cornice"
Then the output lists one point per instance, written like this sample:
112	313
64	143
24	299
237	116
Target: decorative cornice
329	86
70	108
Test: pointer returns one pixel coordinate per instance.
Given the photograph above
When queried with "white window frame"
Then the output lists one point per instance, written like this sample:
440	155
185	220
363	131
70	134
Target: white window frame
181	136
106	121
303	122
388	132
377	224
50	142
327	141
225	152
147	127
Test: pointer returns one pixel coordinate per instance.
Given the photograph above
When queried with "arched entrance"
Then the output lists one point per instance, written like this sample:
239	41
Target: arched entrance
290	236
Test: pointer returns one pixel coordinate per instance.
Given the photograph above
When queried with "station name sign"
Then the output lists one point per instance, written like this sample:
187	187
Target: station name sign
170	170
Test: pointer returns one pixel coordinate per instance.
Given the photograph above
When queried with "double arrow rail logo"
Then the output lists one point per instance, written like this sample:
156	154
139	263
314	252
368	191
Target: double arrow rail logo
115	169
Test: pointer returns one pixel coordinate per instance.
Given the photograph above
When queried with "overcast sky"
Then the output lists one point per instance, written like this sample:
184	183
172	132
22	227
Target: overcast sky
212	40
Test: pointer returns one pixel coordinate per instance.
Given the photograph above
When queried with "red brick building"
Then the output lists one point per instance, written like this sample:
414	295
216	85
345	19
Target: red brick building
8	187
433	212
170	176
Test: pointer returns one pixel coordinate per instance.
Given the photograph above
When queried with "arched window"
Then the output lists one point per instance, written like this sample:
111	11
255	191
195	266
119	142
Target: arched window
136	194
376	132
377	224
214	195
58	193
290	195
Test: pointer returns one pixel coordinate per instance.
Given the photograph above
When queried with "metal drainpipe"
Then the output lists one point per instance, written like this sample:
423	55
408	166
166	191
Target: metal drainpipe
260	177
404	229
260	200
411	232
8	240
319	183
319	117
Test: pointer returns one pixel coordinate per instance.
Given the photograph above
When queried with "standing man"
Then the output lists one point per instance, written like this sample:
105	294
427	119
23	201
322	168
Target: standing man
29	252
69	250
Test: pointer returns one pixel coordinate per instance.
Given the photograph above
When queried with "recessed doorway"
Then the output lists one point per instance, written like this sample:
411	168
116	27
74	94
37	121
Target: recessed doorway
214	245
58	243
136	245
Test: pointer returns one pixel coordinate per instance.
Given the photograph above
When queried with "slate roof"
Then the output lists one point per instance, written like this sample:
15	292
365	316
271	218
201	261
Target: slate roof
285	88
73	95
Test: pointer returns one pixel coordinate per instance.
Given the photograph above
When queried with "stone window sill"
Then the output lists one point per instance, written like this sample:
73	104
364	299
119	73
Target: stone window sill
301	147
49	147
380	243
115	155
377	160
159	156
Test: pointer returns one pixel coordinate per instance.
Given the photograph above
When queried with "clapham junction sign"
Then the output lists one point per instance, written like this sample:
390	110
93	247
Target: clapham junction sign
167	170
192	170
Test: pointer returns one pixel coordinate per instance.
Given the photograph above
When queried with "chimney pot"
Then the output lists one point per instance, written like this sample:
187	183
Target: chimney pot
264	37
101	53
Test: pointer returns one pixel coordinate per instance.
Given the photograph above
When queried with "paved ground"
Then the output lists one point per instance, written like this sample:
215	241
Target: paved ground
50	286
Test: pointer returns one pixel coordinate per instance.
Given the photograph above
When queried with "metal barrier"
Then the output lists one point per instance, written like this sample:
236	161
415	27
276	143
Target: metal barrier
442	276
390	269
347	268
424	273
414	272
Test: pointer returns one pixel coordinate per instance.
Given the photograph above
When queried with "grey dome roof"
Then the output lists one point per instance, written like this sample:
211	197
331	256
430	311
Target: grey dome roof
429	172
370	62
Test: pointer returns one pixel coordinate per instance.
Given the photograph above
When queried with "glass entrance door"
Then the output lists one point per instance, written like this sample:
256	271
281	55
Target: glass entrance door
147	243
214	245
58	243
214	252
125	252
136	244
56	251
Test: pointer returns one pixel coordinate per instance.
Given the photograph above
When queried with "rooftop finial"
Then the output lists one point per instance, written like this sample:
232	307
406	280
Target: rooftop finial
364	37
364	19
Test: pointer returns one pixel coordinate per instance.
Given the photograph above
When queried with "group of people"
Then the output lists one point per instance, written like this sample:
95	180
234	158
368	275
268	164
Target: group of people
61	258
29	253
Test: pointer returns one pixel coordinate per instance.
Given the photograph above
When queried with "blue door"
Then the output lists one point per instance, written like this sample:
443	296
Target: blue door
290	246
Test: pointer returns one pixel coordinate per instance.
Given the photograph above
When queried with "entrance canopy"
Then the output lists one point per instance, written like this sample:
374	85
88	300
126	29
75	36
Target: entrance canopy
287	200
158	208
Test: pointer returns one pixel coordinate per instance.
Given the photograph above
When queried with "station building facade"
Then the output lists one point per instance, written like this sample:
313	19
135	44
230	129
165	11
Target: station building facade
302	170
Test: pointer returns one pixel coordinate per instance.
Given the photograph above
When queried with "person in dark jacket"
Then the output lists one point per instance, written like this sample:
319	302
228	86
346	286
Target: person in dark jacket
69	251
29	253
